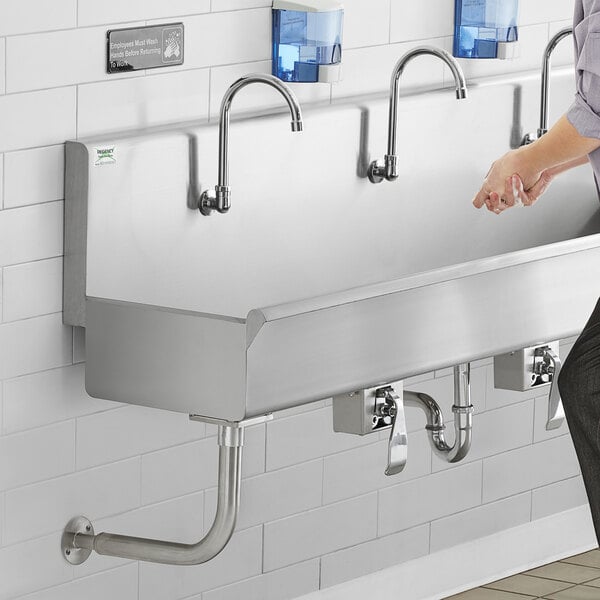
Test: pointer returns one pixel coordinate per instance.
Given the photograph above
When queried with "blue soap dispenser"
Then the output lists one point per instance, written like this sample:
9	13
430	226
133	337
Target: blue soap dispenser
486	29
307	40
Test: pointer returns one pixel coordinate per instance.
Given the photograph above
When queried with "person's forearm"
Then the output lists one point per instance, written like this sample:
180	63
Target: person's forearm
535	165
567	166
560	146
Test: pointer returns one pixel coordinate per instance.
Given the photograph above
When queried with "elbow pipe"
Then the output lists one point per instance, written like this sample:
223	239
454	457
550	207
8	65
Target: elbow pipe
78	540
463	417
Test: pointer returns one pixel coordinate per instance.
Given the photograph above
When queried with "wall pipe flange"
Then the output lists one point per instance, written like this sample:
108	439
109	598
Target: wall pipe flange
72	553
79	539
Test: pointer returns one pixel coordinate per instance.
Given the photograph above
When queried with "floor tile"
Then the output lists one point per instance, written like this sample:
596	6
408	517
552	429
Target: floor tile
573	578
580	592
594	583
487	594
587	559
561	571
532	586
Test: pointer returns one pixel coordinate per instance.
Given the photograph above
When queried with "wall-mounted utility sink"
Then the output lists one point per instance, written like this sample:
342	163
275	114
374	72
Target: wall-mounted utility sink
317	282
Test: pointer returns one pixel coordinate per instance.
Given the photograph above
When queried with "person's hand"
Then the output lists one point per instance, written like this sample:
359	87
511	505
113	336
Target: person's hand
498	193
516	193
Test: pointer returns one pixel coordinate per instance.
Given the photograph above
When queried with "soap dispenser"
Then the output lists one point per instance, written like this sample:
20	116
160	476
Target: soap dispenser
486	29
307	40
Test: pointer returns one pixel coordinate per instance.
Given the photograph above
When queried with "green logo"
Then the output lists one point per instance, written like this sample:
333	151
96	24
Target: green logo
105	156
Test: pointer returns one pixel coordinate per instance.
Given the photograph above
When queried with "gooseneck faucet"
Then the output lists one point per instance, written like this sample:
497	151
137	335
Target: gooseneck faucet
389	170
543	128
221	201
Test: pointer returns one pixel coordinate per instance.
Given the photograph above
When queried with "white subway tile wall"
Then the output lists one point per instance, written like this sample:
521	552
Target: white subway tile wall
29	69
557	497
102	13
33	345
142	101
32	289
372	556
480	521
21	188
95	587
419	501
1	181
43	507
29	16
47	397
419	20
241	559
316	507
320	531
360	28
181	518
37	118
31	233
283	584
275	495
2	65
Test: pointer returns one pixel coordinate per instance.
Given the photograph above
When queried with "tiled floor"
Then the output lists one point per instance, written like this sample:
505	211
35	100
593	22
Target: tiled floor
575	578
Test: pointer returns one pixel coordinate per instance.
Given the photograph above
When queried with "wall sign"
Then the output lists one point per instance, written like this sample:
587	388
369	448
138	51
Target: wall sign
138	48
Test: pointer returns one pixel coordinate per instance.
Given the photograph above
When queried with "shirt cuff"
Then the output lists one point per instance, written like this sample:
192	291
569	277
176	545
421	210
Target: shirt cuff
584	119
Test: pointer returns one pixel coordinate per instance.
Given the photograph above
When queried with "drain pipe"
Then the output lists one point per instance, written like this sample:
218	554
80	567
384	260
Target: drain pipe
78	539
463	416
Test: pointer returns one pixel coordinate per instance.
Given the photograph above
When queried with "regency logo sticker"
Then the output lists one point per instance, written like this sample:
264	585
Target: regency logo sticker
106	155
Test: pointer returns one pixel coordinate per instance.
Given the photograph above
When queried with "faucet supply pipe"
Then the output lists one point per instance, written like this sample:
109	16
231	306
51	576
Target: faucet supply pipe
389	170
78	539
221	201
463	416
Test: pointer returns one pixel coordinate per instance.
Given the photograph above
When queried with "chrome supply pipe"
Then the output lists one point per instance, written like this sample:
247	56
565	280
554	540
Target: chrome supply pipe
389	170
221	201
79	540
545	87
463	416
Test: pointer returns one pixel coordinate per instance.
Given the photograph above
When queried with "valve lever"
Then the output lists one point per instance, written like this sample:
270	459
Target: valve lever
556	412
389	405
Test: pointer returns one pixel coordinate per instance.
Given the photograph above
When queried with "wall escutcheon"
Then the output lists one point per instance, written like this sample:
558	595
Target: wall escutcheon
72	554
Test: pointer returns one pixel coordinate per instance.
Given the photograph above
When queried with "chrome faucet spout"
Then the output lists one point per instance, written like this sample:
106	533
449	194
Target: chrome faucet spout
545	87
561	35
221	201
389	170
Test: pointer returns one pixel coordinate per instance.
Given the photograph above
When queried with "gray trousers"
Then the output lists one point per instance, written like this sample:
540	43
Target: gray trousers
579	385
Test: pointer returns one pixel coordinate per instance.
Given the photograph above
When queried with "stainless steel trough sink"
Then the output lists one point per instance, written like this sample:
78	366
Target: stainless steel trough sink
318	282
